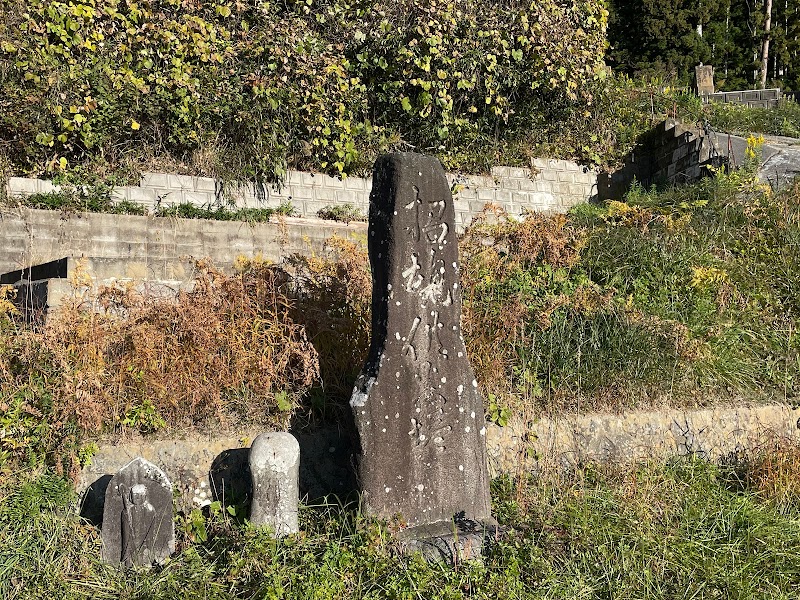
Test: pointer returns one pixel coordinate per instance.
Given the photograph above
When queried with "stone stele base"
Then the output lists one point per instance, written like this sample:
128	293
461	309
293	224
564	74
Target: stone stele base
450	542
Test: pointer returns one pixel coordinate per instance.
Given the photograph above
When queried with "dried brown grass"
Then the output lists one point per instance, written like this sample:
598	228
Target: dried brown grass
226	352
333	292
773	472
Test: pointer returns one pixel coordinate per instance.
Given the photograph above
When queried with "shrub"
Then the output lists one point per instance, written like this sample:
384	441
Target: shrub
225	351
341	212
313	84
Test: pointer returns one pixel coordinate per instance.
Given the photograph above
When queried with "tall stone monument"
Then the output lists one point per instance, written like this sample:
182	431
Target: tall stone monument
416	403
137	516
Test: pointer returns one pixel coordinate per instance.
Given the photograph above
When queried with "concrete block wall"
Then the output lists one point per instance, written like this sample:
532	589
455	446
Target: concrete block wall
549	186
671	153
754	98
153	248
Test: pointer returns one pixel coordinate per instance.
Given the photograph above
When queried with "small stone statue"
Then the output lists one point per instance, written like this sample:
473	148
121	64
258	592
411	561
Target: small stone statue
137	517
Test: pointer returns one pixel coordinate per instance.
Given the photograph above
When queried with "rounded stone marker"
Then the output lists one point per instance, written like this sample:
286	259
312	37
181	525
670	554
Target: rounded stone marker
275	467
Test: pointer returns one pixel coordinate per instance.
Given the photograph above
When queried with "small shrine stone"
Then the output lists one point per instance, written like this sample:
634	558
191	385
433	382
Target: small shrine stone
275	468
138	529
416	403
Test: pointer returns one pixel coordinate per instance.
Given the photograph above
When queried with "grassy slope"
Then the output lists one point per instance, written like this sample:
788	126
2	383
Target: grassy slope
684	295
662	531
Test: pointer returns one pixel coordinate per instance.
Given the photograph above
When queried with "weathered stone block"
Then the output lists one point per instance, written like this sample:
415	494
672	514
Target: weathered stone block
324	194
301	191
205	184
154	180
141	195
565	176
275	467
347	196
502	196
355	183
477	206
549	175
508	183
704	79
180	182
511	172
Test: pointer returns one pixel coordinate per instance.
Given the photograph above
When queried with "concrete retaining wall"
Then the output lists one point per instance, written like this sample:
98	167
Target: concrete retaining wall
204	466
153	248
710	433
551	186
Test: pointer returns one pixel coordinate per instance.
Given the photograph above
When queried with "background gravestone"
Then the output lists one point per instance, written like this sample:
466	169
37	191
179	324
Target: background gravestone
704	79
416	403
137	516
275	466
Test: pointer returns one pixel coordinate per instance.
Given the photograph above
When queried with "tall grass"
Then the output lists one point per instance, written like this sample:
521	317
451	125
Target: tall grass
687	294
682	529
737	118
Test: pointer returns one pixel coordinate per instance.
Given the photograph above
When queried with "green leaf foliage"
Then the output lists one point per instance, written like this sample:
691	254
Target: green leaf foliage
312	84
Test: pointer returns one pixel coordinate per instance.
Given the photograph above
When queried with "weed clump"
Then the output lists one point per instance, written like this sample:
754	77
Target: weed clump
687	295
221	213
341	212
227	351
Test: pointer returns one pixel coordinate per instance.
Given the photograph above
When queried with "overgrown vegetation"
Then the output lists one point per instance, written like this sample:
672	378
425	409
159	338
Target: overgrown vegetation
315	84
686	293
341	212
736	118
227	351
99	199
686	296
222	213
657	531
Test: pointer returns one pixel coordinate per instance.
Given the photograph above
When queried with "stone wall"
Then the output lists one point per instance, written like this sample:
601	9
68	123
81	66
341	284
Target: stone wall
549	186
203	465
153	248
672	153
755	98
